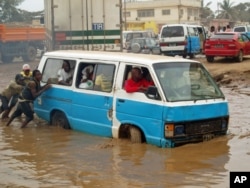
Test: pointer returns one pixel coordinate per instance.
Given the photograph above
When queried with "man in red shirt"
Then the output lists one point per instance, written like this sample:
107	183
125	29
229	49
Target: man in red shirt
137	83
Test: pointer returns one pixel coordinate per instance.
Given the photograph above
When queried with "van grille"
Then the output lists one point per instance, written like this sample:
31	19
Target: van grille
204	127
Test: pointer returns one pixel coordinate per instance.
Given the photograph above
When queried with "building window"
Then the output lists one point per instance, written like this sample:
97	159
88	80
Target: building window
145	13
190	12
166	12
127	14
196	12
181	12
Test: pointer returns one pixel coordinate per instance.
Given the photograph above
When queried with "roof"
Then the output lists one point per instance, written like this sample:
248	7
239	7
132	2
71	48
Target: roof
116	56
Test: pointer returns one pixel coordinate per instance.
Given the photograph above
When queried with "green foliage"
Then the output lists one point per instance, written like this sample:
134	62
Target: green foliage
9	12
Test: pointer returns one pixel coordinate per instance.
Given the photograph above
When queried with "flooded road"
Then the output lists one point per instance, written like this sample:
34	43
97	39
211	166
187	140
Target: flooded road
45	156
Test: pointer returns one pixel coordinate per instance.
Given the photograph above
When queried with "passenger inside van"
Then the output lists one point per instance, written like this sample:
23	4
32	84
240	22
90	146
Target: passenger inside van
104	78
65	74
137	82
86	80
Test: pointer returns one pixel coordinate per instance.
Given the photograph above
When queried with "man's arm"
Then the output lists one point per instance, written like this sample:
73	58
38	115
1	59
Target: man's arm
32	86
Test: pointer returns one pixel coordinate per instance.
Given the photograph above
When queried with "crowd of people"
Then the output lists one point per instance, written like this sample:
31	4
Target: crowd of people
219	29
20	94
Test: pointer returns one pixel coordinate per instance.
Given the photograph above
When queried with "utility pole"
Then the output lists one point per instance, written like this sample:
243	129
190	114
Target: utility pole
52	25
125	15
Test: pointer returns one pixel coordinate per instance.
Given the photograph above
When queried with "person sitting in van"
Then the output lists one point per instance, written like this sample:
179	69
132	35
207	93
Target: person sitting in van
103	81
86	82
65	74
137	83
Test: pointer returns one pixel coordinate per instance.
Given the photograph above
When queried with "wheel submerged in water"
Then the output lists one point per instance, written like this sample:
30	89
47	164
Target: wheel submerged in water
59	119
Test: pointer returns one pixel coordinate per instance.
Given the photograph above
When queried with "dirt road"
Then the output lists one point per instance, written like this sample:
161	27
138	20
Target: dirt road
229	72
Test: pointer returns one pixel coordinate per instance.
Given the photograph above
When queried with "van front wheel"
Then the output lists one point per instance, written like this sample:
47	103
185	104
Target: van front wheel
135	135
59	119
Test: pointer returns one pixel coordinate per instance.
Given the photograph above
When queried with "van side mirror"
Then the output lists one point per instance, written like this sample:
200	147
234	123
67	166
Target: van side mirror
152	93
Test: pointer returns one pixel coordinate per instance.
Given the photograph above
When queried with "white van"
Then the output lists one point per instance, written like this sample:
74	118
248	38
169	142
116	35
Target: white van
183	105
180	39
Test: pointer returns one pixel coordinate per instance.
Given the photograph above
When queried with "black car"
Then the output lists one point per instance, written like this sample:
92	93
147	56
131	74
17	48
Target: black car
144	46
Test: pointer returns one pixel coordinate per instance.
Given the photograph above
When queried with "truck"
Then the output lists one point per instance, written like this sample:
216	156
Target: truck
20	40
83	25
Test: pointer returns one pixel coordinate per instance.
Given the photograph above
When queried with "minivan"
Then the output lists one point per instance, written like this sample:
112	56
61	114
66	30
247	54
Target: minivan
180	39
242	29
183	105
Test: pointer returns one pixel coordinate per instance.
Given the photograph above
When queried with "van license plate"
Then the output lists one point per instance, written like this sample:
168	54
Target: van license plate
207	137
173	44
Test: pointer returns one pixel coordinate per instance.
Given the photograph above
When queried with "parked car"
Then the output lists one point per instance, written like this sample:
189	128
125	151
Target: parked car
138	34
227	44
144	46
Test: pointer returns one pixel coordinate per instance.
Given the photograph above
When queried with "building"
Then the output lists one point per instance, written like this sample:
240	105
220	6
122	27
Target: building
152	14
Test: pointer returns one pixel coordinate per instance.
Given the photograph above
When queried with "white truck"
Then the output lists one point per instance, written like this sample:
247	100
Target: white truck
83	24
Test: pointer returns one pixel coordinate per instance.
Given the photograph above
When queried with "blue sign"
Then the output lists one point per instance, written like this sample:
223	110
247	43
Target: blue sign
97	26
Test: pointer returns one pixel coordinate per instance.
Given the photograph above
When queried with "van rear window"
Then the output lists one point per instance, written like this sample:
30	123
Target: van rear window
173	31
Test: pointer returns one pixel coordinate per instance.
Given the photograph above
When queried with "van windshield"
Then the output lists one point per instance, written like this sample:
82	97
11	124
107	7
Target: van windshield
186	81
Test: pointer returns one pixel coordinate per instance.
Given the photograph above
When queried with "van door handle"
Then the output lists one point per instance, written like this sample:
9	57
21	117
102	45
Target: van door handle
121	100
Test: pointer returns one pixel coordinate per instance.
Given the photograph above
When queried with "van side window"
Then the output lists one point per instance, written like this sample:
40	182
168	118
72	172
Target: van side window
104	77
191	31
52	67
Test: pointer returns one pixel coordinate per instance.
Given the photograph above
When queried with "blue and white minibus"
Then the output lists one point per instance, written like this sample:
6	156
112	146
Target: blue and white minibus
180	39
184	105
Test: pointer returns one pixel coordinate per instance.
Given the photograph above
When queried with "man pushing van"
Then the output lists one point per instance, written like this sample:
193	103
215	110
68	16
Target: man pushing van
27	96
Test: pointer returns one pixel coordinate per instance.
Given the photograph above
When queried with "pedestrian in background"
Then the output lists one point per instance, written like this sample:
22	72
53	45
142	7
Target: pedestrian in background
26	73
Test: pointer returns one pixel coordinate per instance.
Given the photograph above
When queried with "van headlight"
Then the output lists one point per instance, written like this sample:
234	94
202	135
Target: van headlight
172	130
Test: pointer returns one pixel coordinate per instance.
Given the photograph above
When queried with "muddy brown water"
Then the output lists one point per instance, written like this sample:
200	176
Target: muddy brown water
45	156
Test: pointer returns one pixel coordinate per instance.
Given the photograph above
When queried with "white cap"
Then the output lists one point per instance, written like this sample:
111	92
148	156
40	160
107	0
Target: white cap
26	67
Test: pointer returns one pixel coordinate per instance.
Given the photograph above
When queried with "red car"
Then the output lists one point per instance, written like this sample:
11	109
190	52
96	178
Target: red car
227	44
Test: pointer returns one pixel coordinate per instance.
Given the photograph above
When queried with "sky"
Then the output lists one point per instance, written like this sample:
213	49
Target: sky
32	5
37	5
214	7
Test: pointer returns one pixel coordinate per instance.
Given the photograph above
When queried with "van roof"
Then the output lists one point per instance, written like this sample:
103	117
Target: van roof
116	56
179	25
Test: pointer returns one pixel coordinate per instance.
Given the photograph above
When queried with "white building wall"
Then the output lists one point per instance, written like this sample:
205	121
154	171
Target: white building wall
132	6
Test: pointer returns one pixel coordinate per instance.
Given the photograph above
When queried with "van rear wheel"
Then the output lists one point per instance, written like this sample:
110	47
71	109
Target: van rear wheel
135	135
59	119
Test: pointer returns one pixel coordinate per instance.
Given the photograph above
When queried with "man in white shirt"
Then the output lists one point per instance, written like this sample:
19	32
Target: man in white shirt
65	74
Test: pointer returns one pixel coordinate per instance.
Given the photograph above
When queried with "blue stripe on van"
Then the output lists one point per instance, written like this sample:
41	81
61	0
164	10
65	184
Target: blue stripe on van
197	112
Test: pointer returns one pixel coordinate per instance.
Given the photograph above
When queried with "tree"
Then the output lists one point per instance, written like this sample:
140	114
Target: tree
227	11
205	11
243	12
9	12
206	14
